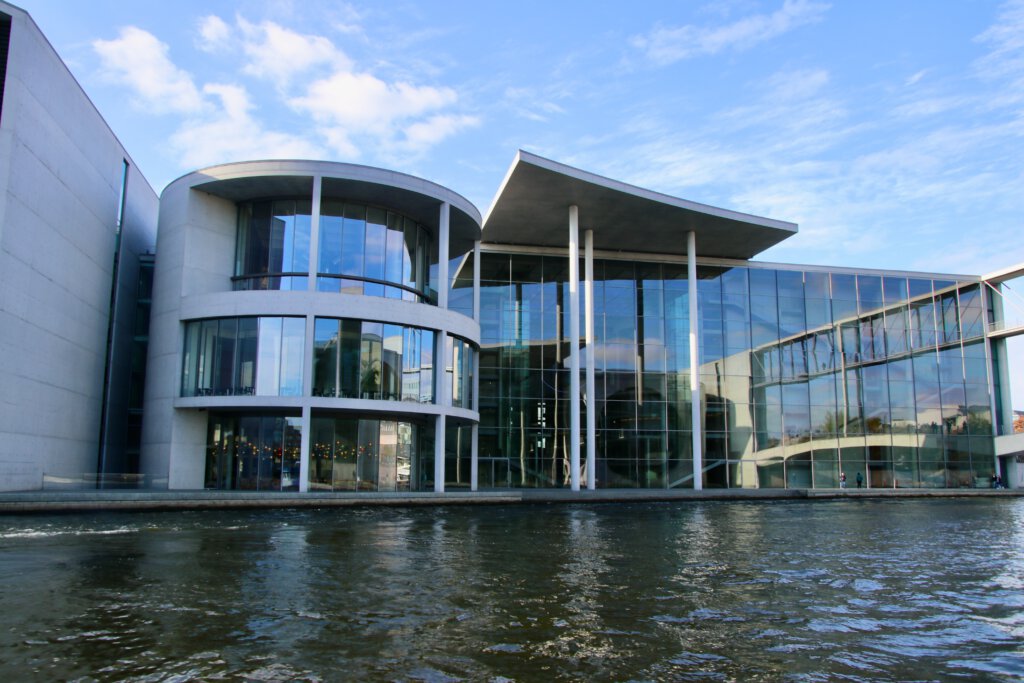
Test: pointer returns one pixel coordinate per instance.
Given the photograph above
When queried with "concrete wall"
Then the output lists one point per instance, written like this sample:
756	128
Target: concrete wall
61	171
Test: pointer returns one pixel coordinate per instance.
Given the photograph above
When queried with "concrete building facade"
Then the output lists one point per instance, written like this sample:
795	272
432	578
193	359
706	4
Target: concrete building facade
75	215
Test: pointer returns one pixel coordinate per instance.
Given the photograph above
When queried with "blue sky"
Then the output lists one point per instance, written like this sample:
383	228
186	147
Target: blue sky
892	132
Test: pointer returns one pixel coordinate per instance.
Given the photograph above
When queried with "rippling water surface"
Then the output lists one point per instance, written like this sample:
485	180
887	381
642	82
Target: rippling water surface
801	591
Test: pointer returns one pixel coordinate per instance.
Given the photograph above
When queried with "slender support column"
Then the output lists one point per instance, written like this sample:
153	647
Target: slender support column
442	256
307	436
314	237
588	278
698	436
473	452
476	281
307	418
439	438
442	398
474	468
574	347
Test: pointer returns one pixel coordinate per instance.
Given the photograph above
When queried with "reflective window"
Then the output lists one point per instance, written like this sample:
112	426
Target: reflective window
253	451
460	372
272	247
804	376
372	360
360	454
372	251
243	356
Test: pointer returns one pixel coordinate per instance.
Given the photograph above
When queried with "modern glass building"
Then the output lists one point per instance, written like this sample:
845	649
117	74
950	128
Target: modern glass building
319	326
301	337
330	327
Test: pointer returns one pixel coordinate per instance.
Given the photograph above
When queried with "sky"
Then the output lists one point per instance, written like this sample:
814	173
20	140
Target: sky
891	132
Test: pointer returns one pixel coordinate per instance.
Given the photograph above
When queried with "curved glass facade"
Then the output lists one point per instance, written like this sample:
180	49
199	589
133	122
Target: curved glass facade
805	375
373	360
354	453
372	251
253	451
259	356
272	247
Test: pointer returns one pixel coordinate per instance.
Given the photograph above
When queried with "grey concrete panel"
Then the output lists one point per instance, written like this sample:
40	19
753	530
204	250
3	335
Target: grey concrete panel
58	224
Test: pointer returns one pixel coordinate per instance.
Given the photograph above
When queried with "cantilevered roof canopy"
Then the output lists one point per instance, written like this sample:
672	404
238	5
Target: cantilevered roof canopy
532	208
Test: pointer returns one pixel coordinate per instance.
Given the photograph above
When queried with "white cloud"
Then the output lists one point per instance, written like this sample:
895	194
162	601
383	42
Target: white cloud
214	34
230	133
351	112
139	60
354	106
278	53
664	45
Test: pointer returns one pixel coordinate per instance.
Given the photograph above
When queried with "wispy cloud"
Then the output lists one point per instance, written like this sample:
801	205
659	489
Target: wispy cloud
665	45
1005	39
529	104
229	132
138	60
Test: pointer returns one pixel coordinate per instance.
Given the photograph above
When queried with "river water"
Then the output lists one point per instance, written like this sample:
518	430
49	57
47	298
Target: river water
800	591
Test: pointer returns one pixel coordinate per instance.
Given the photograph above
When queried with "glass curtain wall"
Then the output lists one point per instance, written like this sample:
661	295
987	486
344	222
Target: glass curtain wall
373	251
806	376
364	454
459	353
253	451
372	360
272	247
243	356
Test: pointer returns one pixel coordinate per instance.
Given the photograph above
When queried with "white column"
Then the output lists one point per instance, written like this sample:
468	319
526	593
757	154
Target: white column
698	437
314	236
474	470
442	256
475	436
307	436
588	278
307	384
439	437
443	400
476	281
574	347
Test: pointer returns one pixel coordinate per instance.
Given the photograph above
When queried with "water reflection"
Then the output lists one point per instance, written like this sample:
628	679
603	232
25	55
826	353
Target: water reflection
705	591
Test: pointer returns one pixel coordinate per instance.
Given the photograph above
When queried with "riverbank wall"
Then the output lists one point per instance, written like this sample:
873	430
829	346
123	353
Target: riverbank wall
134	500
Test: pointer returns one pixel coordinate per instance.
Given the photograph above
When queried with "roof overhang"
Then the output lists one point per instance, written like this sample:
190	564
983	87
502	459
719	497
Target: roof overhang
416	198
532	209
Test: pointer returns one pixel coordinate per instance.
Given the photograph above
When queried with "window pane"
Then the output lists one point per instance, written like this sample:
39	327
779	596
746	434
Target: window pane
353	240
292	346
268	367
376	239
325	357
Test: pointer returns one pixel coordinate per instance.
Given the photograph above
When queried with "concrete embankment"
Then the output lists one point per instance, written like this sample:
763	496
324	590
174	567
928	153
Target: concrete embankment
133	500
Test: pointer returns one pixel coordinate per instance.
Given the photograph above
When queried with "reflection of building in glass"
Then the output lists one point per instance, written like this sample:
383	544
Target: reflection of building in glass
334	327
299	324
805	373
